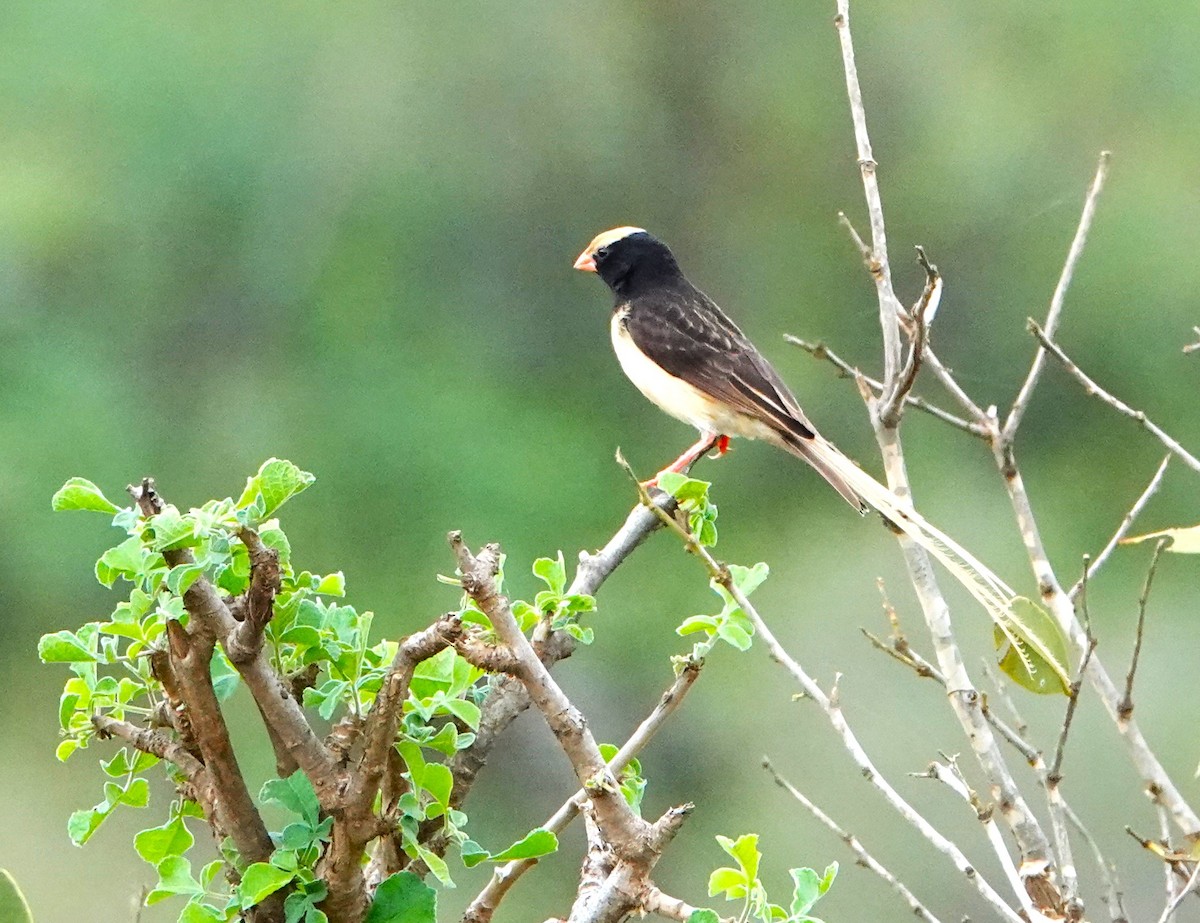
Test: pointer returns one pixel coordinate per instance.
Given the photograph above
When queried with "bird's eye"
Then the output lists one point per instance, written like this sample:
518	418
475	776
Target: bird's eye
601	253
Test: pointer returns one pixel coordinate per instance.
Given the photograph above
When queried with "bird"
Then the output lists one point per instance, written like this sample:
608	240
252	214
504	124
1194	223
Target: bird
685	354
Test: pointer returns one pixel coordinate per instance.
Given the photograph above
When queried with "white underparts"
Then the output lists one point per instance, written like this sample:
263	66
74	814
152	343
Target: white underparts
675	396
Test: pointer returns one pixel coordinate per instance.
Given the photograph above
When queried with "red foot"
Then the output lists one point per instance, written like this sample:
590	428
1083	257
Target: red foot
722	445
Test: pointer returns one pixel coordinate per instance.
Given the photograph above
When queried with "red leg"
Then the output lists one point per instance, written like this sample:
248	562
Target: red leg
688	458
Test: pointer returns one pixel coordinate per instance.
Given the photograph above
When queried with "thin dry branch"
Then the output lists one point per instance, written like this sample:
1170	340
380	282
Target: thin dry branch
1036	862
1096	563
831	707
901	651
1060	293
626	847
1090	387
821	351
669	908
508	698
244	643
155	743
1072	905
1158	783
1125	707
1188	887
622	829
861	855
889	305
951	776
891	408
504	877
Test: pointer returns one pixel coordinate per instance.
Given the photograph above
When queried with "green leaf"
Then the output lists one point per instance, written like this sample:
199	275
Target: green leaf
127	560
82	494
83	823
225	678
536	843
695	623
157	843
1032	649
704	916
296	794
332	585
64	647
437	780
472	853
727	881
810	887
13	908
684	488
276	482
444	741
137	795
735	635
259	880
749	579
581	633
552	572
403	898
174	877
745	851
171	529
467	712
180	579
436	864
195	912
118	766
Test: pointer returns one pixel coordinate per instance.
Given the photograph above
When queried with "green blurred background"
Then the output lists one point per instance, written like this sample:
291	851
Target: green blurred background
343	233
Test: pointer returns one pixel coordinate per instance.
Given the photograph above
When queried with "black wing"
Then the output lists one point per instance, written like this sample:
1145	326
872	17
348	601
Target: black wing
685	333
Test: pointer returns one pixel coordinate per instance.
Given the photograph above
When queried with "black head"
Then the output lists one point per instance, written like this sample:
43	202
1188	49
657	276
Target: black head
630	261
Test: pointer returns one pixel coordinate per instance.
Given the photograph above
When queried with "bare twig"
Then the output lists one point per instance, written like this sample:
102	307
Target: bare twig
1174	902
1035	865
951	776
901	651
1125	708
890	409
1108	872
1052	780
830	706
1002	693
1158	783
503	878
664	905
821	351
1073	700
244	643
1090	387
890	307
620	826
626	847
1122	530
507	697
155	743
1060	292
864	858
